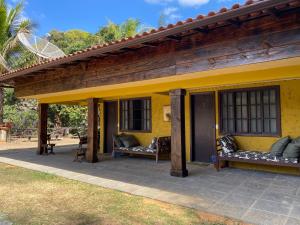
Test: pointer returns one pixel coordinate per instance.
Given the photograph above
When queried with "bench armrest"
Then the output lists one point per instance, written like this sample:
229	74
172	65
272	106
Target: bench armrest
218	146
163	144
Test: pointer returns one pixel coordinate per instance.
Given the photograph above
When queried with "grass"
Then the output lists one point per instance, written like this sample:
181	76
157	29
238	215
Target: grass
30	197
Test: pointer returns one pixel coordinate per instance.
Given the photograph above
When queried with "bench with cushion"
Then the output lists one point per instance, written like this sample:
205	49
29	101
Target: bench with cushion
128	144
285	152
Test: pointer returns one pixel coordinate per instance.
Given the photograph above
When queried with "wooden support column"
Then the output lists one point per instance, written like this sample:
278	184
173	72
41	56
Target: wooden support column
92	134
178	160
42	127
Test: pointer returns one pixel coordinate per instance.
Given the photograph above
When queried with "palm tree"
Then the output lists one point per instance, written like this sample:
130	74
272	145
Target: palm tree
11	23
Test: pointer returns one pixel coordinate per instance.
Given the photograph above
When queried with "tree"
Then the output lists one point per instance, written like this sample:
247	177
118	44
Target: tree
10	25
73	40
113	32
24	113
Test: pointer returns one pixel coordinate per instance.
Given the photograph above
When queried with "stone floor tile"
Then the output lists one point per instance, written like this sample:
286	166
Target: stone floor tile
273	207
211	195
228	210
263	218
238	200
255	185
292	221
298	191
289	181
221	187
278	197
295	213
248	191
290	190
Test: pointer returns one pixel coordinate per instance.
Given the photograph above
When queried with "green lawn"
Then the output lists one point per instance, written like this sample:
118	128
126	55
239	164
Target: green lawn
29	197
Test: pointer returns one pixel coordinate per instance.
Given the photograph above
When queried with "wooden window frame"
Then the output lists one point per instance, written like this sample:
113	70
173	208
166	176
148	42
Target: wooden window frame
278	112
121	118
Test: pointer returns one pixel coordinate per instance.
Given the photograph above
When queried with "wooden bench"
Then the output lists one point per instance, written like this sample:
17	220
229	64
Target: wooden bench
163	148
223	161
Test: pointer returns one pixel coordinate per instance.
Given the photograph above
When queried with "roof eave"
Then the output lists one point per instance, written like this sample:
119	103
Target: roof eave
254	7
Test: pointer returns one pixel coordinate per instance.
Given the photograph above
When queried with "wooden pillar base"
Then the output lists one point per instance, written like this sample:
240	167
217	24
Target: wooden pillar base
179	173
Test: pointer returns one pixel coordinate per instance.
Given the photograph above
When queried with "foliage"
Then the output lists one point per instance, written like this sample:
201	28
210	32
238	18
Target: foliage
11	23
67	116
113	32
75	40
21	58
72	40
23	113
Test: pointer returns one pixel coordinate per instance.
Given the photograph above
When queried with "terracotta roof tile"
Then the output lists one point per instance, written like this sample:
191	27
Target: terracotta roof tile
153	31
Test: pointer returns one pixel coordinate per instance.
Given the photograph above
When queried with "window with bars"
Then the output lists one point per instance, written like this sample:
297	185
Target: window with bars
135	114
253	111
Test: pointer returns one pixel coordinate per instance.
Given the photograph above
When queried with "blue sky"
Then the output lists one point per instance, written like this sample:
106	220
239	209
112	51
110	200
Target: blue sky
89	15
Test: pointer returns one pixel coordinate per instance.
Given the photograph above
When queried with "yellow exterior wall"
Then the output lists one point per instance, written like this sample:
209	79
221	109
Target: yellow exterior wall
290	120
290	114
159	126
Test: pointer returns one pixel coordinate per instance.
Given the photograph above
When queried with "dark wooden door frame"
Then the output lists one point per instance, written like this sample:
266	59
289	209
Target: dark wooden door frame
105	122
191	120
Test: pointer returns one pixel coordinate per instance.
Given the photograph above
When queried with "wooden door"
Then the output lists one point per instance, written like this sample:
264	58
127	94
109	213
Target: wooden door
110	124
203	126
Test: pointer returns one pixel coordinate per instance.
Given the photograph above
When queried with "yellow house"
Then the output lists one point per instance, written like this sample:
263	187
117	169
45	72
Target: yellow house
236	71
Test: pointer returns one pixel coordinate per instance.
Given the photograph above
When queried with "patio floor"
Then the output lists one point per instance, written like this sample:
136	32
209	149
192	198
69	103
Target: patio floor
254	197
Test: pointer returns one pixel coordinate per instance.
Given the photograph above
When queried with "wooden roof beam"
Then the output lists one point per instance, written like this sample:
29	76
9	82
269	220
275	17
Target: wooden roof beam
116	53
201	30
174	37
274	13
130	49
235	22
151	44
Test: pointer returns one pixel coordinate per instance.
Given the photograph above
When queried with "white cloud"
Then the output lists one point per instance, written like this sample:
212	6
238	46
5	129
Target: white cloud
171	14
192	3
174	17
169	10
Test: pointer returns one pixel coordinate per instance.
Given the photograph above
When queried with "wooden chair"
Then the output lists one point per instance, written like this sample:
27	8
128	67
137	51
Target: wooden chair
48	148
81	151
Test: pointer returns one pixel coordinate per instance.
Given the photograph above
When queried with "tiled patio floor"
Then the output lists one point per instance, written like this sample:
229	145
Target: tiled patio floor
255	197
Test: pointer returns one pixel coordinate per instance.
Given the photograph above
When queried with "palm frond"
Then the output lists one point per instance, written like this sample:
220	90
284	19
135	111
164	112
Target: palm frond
3	24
